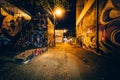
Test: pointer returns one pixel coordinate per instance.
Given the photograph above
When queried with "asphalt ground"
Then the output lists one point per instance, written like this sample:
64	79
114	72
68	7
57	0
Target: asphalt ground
63	62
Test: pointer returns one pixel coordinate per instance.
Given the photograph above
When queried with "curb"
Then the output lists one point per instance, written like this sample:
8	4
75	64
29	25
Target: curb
28	55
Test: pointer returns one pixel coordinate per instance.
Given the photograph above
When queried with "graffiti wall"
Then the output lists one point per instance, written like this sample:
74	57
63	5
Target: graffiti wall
12	20
19	30
108	24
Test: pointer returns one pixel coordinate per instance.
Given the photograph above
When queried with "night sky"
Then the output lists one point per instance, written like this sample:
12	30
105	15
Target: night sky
68	20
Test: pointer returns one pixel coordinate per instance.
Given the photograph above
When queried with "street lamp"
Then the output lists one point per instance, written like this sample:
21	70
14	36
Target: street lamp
58	12
65	30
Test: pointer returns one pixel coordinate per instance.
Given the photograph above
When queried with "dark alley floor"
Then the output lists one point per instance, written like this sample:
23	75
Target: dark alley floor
65	62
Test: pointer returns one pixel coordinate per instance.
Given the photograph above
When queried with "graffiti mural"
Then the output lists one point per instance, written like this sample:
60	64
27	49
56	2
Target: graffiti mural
20	31
86	31
110	26
108	23
34	35
12	20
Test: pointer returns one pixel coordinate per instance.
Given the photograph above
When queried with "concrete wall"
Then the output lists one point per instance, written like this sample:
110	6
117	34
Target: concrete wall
108	24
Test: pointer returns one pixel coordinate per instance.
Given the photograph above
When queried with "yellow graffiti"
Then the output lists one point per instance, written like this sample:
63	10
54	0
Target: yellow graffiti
12	23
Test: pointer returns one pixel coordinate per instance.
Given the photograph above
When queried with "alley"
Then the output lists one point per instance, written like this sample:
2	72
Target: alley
64	62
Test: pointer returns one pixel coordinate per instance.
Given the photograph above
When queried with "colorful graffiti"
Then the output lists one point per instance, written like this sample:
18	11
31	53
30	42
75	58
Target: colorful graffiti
20	31
109	26
108	23
12	20
35	34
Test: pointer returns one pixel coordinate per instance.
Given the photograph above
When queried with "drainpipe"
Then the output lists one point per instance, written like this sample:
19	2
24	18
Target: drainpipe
97	26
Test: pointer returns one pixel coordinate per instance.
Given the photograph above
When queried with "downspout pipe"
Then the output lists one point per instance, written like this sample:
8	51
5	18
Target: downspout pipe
97	26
